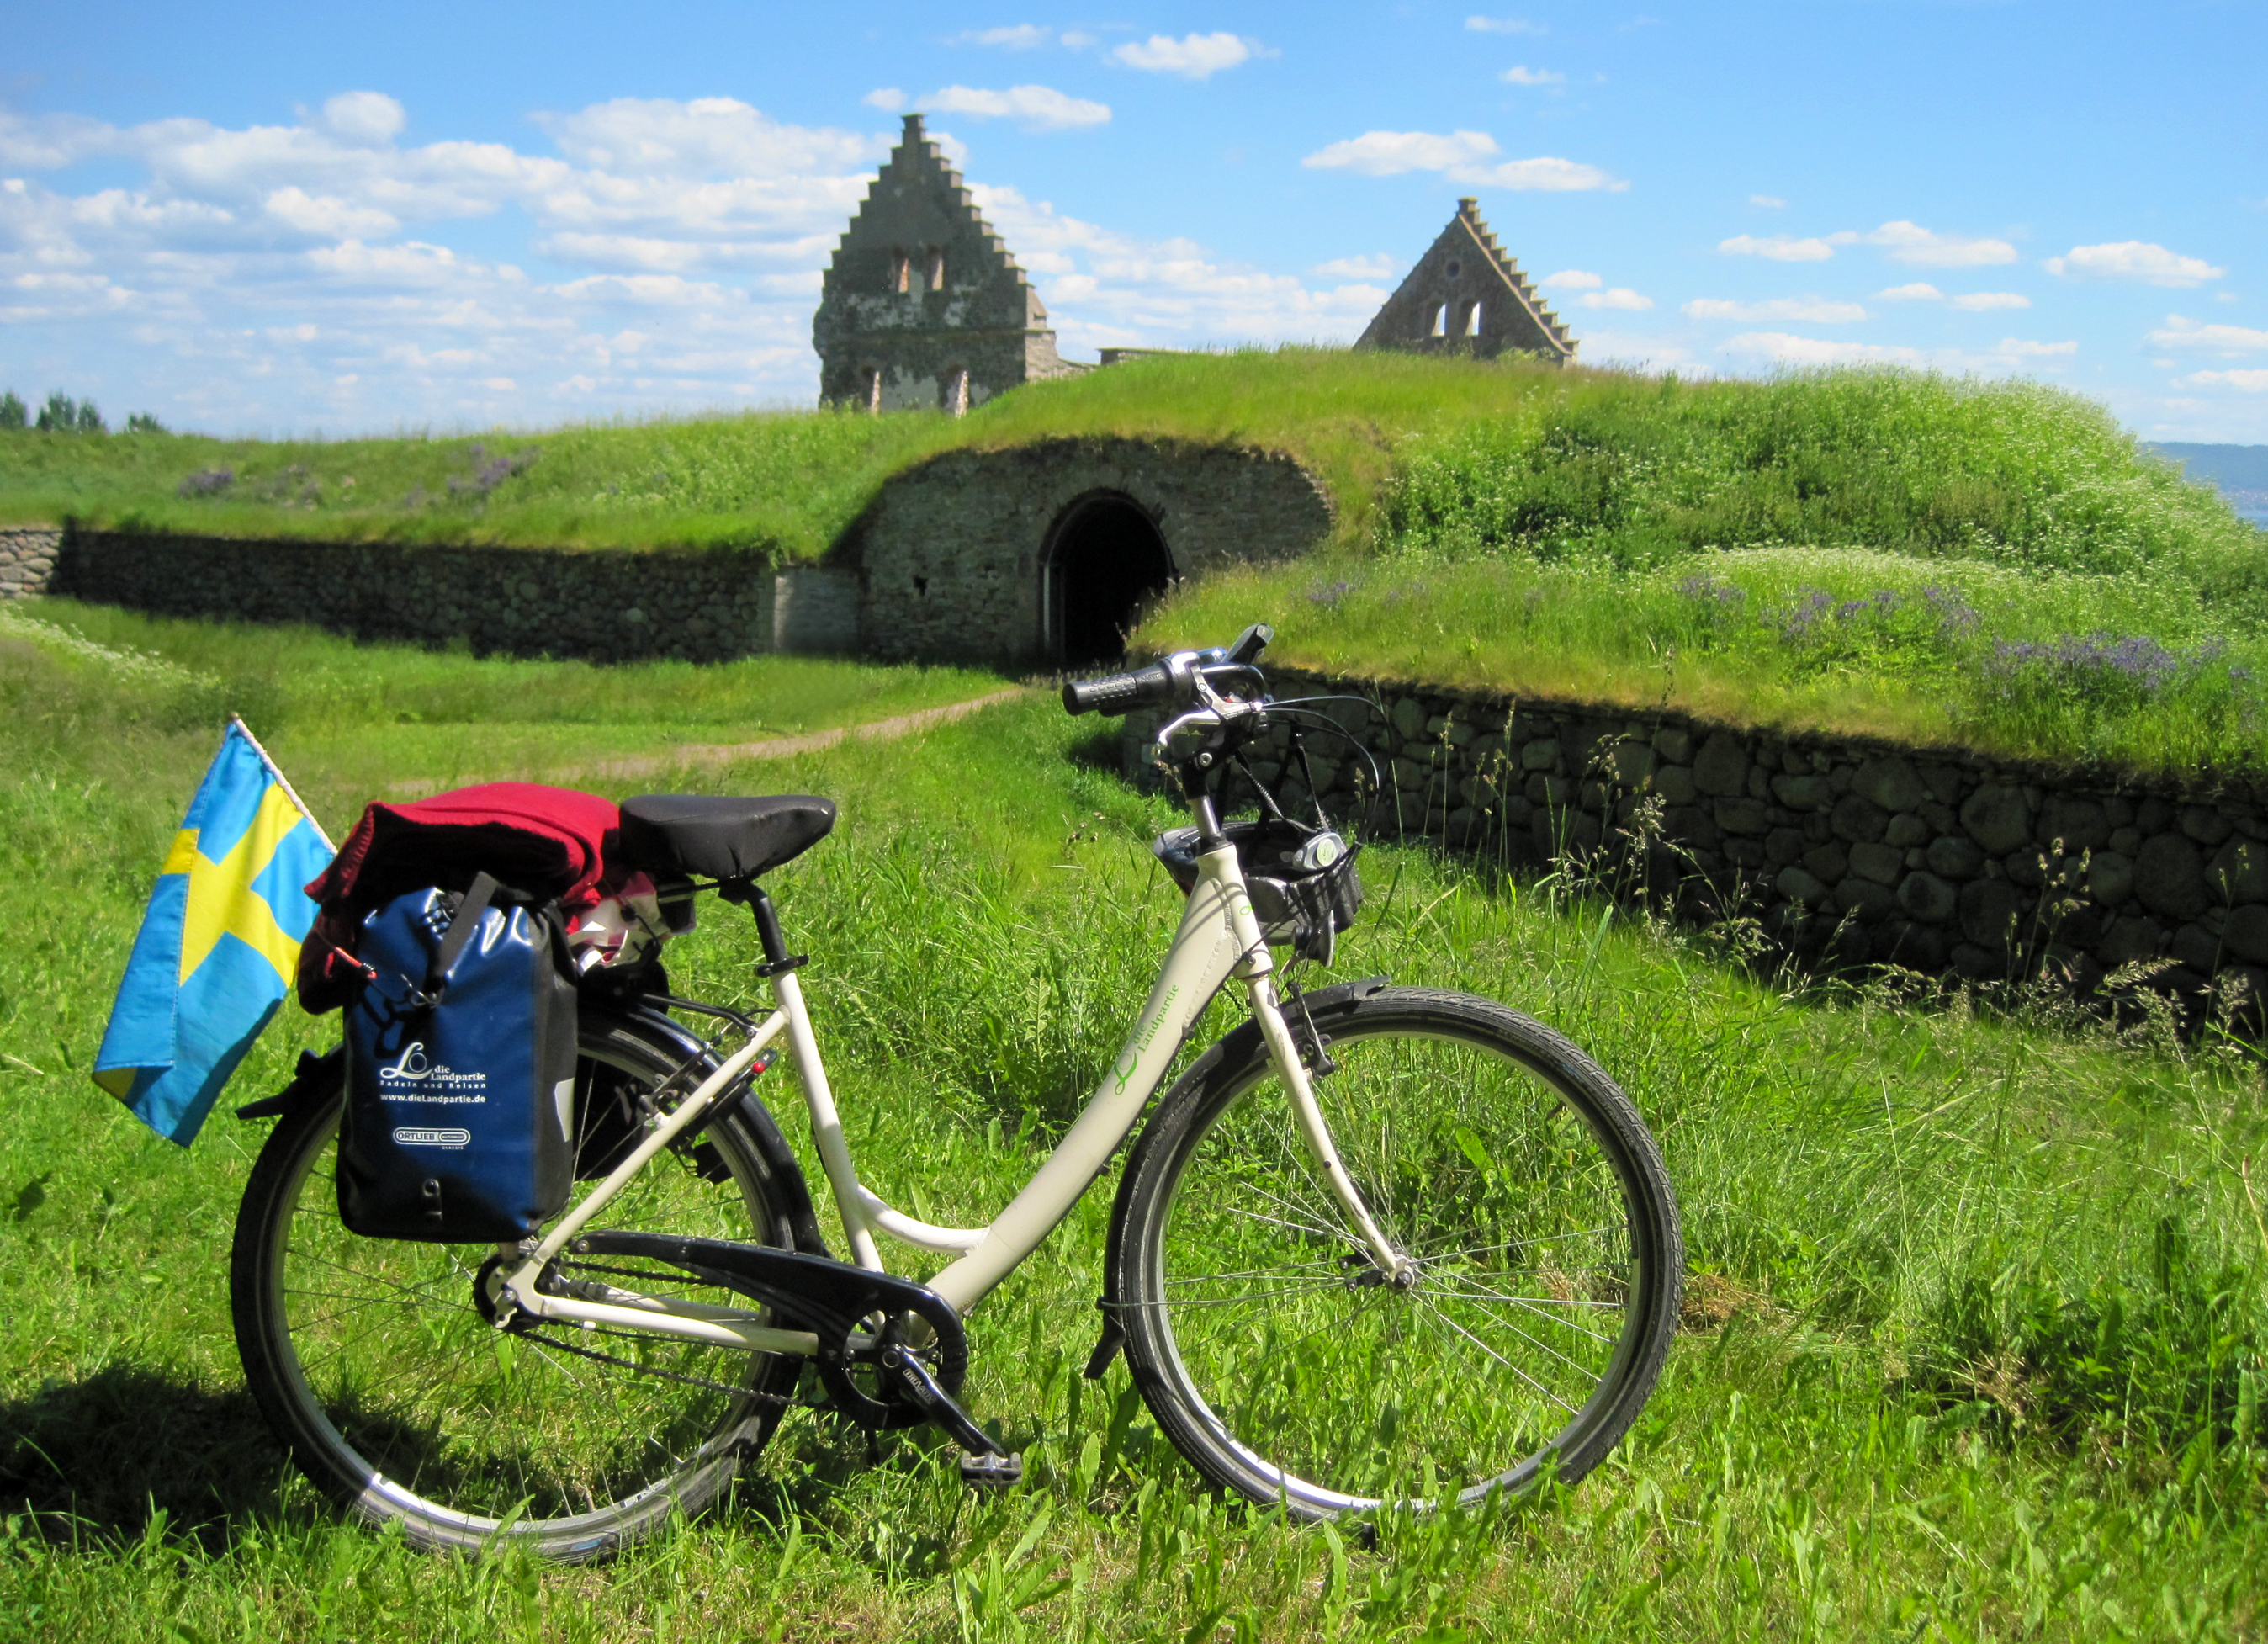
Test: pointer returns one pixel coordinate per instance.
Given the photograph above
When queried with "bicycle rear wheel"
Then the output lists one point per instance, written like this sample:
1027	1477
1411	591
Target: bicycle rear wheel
373	1360
1517	1180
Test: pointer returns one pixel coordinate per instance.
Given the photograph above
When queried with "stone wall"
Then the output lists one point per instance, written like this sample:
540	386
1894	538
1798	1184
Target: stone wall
950	555
1849	850
604	605
27	559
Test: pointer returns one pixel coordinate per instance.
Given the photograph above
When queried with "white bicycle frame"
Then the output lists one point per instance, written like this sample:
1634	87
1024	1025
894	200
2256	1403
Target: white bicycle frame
1218	938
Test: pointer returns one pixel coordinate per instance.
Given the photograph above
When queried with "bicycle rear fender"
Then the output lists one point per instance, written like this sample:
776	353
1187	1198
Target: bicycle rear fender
1232	1048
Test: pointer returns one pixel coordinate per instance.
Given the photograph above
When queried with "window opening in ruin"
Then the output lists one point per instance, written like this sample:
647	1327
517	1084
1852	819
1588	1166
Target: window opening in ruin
1454	267
954	398
874	390
1470	324
1436	319
901	271
936	270
1105	563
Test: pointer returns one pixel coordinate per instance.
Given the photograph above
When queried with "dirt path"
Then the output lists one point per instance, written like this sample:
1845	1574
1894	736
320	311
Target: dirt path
695	755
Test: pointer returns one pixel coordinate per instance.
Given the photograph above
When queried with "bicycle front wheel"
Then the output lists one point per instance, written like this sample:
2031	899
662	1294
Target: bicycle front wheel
1542	1262
376	1363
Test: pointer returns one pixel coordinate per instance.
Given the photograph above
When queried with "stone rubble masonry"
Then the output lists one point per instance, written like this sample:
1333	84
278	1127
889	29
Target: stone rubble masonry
603	605
1850	852
952	556
922	305
1433	310
27	559
948	563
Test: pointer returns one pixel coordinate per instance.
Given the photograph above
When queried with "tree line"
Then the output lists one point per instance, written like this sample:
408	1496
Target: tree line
62	415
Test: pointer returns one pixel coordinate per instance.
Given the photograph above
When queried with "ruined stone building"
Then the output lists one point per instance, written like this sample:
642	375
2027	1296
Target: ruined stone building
922	305
1465	297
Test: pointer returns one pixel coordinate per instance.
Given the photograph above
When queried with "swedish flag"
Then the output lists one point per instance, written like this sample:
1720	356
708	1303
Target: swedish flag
219	944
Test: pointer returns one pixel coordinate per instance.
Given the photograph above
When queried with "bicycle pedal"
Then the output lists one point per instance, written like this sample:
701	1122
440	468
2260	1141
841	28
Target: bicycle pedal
991	1469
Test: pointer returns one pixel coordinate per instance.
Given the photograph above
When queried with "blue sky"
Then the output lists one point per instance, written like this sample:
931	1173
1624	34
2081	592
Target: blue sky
267	219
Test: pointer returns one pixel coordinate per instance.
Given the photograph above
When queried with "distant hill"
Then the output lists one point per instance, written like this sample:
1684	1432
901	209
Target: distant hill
2240	473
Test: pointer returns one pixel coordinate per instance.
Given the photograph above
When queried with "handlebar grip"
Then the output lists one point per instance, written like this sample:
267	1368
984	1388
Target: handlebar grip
1120	693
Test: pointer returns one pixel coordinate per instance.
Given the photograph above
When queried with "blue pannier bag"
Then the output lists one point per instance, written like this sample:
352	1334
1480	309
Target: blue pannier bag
460	1070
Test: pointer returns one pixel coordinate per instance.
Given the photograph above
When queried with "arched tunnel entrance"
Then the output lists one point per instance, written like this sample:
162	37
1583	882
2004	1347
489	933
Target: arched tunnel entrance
1104	560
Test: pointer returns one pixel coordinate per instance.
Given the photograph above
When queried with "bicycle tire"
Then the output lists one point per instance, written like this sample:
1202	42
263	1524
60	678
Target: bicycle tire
1548	1261
396	1395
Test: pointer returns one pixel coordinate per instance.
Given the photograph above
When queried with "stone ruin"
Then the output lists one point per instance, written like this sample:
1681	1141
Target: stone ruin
1465	297
922	305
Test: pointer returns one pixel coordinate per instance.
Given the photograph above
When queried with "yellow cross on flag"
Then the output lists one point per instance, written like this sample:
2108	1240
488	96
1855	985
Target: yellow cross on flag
218	945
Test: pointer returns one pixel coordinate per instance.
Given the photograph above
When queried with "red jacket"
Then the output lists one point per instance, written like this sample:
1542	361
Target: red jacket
546	842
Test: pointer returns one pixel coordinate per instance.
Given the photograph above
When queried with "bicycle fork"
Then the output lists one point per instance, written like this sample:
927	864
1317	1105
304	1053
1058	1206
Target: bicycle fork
1257	971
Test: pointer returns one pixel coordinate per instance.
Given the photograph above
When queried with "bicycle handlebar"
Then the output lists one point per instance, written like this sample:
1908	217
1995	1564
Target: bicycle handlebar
1173	683
1122	693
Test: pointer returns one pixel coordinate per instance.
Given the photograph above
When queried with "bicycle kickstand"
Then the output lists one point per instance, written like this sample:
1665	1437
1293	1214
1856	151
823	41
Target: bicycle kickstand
983	1461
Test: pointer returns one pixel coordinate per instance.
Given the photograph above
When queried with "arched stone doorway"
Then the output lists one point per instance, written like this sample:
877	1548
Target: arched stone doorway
1105	560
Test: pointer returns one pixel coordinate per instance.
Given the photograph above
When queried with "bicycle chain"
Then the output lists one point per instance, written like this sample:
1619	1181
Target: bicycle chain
777	1401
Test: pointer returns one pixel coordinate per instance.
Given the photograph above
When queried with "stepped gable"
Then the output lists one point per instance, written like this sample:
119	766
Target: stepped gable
923	304
1465	297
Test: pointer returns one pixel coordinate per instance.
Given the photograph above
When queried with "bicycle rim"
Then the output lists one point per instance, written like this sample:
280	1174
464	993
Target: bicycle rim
398	1394
1531	1204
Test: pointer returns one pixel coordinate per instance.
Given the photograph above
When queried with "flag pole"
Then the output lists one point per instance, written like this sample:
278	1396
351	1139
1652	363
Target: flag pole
276	771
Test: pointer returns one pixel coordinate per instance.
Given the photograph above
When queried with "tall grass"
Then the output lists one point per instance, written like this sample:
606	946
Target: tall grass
2130	671
1977	1348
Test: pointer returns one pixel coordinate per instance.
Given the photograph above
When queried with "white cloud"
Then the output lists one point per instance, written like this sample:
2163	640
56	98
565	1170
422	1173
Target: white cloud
1619	297
2249	381
1778	248
2133	259
2179	332
1039	108
1521	75
888	99
326	218
1779	348
1391	153
1377	266
1457	155
1816	310
370	117
1016	37
1901	241
2015	348
1924	247
1571	280
658	136
1970	302
1505	25
1769	202
1193	56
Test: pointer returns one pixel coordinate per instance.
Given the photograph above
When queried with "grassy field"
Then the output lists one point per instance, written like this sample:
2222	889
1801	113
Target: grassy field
1976	1349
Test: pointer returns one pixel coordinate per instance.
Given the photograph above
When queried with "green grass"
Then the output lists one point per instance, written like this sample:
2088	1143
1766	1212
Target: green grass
785	481
376	719
1593	532
1850	640
1986	565
1977	1352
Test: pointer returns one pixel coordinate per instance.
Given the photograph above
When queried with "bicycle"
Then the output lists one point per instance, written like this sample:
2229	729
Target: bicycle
1378	1248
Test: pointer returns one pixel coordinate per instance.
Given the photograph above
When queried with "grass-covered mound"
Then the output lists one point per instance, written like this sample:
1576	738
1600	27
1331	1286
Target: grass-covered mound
1935	560
785	481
